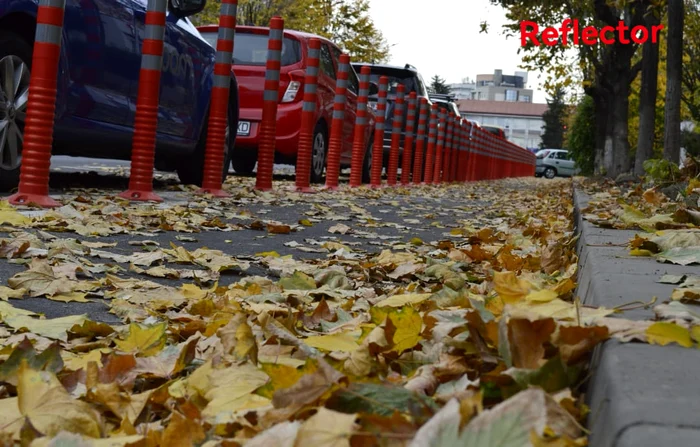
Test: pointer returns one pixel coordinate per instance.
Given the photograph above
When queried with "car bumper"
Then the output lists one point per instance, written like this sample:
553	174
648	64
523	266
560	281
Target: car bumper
288	125
539	169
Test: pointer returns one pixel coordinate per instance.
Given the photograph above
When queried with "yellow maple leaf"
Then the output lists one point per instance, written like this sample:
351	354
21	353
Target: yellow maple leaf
326	428
541	296
663	333
343	342
509	287
144	340
403	328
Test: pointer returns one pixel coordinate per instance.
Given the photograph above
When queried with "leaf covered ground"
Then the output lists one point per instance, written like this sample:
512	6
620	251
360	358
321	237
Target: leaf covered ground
357	338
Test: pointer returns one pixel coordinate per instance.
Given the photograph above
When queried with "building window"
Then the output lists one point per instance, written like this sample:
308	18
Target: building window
511	95
525	98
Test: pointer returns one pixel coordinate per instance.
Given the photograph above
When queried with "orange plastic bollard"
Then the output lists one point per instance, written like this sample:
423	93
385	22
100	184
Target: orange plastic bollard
420	141
432	136
407	156
146	119
41	105
393	169
336	138
447	150
442	131
380	125
216	132
308	117
359	143
268	124
456	150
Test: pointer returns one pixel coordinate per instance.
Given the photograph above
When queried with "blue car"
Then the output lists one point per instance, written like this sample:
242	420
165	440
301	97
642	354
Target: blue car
98	83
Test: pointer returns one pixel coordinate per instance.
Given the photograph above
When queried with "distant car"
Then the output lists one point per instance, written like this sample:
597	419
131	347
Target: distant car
249	58
555	162
98	78
498	131
411	79
446	103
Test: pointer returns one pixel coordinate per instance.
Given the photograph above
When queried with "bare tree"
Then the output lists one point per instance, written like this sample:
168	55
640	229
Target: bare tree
674	73
647	98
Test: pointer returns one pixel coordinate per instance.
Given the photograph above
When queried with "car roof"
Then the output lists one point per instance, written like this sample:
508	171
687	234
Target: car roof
407	67
264	30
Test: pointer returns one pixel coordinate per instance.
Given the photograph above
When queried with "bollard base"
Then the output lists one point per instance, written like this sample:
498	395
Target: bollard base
305	190
330	188
141	196
213	192
33	199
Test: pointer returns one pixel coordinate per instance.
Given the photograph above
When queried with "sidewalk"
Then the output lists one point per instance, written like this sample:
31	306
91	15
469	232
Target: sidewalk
639	395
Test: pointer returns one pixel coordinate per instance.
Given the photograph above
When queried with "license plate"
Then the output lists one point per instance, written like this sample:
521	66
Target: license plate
243	128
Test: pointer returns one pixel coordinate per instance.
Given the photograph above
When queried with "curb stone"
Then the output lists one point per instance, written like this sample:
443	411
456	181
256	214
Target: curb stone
640	395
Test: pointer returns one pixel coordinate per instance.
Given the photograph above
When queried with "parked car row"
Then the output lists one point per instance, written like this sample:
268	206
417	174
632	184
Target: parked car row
98	84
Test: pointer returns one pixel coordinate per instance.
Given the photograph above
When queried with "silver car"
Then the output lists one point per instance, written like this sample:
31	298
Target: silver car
555	162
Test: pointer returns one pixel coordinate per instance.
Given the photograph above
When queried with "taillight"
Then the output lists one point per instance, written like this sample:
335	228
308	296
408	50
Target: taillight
295	85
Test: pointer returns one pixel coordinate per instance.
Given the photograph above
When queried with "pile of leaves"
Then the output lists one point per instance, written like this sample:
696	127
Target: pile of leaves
476	339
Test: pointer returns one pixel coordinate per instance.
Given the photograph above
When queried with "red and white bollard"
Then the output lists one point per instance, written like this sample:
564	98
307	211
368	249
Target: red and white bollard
335	144
408	142
442	132
359	142
397	127
268	124
420	141
380	125
432	136
447	152
308	118
146	119
41	105
214	156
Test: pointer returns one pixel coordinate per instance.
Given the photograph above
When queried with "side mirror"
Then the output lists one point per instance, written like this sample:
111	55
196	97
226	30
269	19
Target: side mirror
373	89
185	8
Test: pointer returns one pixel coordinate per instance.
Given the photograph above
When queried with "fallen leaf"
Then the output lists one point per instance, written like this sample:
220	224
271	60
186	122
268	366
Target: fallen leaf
326	428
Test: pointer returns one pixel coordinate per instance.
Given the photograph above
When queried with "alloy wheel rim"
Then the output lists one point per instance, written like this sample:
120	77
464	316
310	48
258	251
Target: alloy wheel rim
319	153
14	93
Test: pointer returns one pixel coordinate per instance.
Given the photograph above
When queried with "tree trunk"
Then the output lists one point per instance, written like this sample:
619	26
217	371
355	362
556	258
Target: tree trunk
620	125
647	100
602	119
674	71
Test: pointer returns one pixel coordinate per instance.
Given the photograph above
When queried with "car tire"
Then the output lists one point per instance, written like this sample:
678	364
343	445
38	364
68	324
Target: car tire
15	58
550	172
319	153
367	162
190	169
244	161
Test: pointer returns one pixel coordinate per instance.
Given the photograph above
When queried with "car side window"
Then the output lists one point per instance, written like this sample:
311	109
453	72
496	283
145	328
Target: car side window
326	62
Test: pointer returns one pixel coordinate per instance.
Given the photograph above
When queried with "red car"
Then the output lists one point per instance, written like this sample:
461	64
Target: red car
249	58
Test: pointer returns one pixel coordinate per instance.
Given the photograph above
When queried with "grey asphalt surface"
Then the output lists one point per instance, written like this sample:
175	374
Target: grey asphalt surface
640	395
108	175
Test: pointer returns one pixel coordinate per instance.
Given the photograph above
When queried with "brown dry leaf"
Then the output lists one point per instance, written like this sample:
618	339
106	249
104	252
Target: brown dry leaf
183	431
527	339
278	229
575	342
653	196
309	388
50	409
327	428
509	287
553	258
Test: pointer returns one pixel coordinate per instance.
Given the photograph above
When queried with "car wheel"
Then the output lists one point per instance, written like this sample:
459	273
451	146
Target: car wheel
15	62
244	161
319	152
191	169
367	163
550	173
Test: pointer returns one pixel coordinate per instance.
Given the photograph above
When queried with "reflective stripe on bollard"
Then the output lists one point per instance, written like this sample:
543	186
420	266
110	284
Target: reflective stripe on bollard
442	131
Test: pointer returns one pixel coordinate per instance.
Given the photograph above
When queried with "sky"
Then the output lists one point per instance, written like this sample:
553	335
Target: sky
442	37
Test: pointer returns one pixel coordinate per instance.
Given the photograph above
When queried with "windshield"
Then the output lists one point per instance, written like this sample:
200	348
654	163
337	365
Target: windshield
251	49
395	81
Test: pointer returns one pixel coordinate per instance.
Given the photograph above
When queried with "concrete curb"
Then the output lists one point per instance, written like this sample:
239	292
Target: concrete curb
639	395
